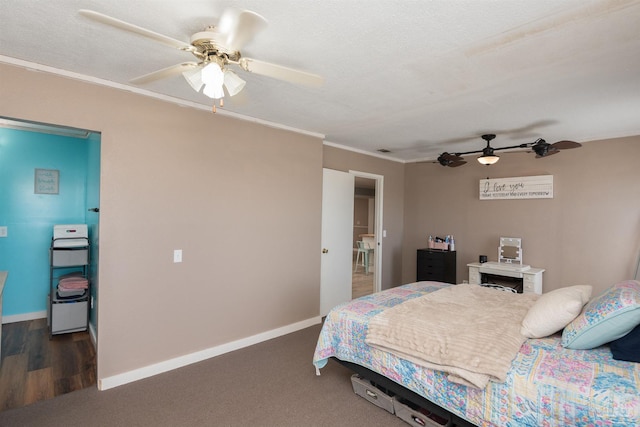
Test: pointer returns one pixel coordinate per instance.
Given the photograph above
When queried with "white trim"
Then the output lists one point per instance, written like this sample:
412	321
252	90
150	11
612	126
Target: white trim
90	79
368	153
24	317
178	362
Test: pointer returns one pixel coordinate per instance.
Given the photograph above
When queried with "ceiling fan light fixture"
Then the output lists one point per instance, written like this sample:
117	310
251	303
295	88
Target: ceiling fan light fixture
233	83
215	47
541	147
488	159
213	79
194	78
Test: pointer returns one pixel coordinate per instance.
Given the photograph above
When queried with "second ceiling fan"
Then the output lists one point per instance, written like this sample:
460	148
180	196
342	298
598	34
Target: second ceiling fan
541	147
216	47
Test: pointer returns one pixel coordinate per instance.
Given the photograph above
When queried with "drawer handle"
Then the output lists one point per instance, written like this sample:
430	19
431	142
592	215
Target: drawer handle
418	421
371	394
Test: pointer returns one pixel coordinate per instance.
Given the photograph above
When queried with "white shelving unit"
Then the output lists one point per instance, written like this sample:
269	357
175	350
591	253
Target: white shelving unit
67	257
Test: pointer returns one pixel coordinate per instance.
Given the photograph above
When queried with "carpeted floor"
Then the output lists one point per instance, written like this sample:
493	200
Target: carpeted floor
268	384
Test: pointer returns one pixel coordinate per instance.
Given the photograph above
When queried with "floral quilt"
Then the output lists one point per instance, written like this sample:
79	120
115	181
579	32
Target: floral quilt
547	385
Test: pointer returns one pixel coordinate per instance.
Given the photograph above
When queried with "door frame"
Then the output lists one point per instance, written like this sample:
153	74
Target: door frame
378	228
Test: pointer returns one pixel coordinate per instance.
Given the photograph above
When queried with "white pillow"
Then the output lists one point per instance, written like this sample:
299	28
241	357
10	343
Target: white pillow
555	310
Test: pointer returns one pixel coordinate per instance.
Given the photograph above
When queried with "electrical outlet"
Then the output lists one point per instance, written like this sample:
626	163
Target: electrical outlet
177	255
3	231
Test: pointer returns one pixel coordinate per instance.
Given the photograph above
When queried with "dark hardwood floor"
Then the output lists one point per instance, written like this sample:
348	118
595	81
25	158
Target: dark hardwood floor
35	367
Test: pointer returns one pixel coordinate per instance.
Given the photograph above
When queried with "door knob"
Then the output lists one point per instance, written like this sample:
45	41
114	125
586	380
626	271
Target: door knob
325	250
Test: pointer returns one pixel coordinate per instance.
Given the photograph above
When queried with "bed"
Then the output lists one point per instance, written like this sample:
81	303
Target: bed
546	385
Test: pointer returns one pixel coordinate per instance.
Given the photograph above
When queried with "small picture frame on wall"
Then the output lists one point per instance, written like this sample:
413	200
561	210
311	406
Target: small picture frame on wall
46	181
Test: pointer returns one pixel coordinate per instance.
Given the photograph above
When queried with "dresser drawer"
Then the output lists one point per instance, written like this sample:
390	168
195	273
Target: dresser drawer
431	276
532	283
433	262
474	276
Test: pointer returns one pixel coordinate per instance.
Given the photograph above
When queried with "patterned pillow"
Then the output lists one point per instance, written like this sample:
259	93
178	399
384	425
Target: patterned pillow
609	316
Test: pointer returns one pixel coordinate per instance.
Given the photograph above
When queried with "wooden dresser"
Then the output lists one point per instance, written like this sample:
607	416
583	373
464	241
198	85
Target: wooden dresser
436	265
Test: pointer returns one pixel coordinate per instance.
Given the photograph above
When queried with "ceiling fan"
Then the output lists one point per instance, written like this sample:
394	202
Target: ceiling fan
541	147
216	47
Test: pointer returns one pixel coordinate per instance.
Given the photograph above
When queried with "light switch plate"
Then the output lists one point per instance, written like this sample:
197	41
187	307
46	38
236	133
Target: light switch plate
3	231
177	255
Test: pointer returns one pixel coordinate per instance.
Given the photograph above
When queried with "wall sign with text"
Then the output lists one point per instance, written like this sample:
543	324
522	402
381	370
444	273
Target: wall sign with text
524	187
46	181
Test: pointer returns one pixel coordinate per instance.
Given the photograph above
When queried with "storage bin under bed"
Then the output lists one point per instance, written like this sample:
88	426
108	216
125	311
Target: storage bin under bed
403	409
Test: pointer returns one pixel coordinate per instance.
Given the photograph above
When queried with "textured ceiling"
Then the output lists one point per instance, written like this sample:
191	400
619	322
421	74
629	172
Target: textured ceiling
414	77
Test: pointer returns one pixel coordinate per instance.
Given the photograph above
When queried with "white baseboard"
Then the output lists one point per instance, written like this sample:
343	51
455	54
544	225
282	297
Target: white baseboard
178	362
24	317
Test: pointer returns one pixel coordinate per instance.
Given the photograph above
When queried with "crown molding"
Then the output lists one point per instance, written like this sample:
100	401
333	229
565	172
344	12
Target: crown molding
32	66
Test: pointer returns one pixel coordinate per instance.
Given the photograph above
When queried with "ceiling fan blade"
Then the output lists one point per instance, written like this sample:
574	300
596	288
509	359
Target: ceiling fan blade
238	27
452	157
457	163
452	160
280	72
174	70
117	23
564	145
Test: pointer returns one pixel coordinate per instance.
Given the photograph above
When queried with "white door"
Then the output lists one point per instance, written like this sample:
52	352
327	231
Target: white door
337	235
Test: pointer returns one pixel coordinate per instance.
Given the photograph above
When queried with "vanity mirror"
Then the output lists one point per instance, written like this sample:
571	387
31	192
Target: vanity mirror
510	250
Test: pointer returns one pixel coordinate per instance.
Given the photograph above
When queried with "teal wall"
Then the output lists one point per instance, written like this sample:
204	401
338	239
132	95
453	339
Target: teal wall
30	217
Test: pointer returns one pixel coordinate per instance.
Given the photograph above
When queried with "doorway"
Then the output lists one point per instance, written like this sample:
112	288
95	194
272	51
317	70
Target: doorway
29	213
337	239
367	234
364	266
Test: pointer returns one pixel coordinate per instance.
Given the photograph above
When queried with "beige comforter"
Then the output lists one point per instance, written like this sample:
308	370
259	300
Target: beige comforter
469	331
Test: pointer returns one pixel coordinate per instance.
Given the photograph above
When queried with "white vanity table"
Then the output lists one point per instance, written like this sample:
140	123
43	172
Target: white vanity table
531	277
509	270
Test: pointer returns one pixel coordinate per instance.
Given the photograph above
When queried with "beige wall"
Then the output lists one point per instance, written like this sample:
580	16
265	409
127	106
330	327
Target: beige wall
393	201
589	233
243	201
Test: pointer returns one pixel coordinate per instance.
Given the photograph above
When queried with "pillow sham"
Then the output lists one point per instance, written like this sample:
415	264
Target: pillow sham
609	316
627	348
554	310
